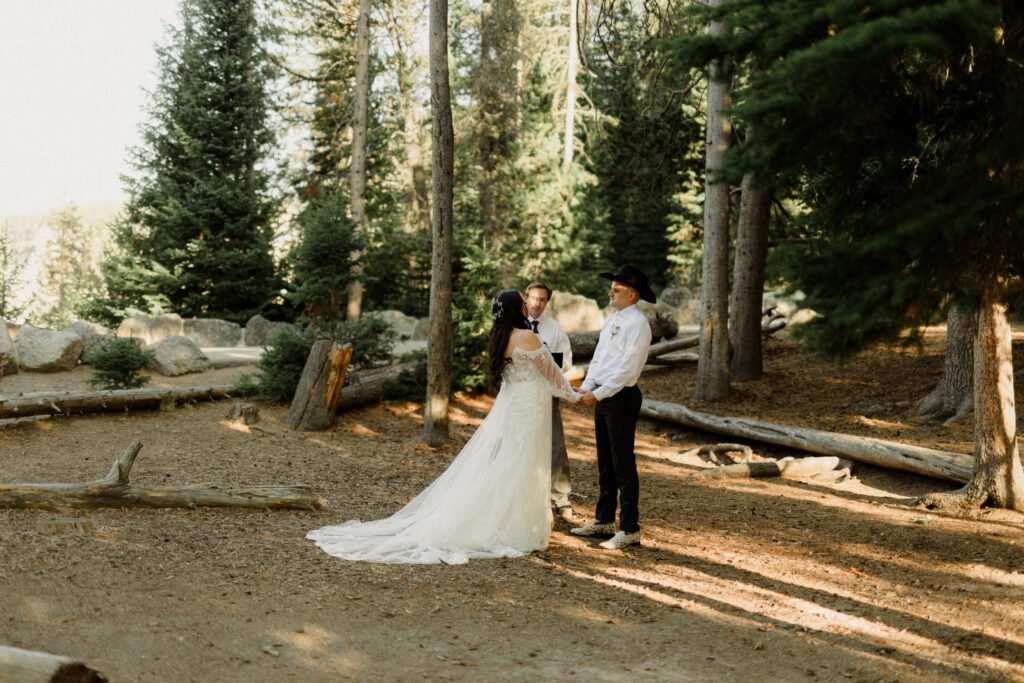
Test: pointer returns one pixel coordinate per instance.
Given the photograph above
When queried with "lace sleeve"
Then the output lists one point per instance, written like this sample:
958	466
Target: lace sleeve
560	386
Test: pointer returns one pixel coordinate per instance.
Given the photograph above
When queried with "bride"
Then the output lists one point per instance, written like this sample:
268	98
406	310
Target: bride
492	501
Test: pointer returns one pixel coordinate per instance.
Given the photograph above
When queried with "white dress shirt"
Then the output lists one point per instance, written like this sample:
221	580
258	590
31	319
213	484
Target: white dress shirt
620	355
553	336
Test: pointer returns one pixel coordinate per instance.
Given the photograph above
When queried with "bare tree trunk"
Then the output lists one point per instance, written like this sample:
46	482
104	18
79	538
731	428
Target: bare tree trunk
440	340
748	278
953	396
713	366
998	478
570	89
357	170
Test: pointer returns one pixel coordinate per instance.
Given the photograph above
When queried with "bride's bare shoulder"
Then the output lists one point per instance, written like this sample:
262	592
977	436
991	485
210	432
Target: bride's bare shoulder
528	341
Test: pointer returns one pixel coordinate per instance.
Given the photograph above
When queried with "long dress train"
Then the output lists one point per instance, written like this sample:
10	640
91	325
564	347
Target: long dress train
492	501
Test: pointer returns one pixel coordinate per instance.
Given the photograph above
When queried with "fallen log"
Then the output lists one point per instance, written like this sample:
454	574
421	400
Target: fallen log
114	490
376	384
26	666
320	387
72	402
940	464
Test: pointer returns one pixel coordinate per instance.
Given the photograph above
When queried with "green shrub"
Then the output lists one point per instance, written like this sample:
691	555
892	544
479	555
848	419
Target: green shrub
117	363
281	364
372	339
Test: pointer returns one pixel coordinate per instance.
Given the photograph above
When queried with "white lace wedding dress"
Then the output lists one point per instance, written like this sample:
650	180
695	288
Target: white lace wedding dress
492	501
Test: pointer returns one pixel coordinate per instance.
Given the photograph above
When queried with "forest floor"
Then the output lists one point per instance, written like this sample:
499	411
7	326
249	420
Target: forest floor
738	580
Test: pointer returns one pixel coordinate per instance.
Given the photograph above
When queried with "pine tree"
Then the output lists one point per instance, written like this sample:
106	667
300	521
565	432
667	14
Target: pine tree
199	209
66	281
11	268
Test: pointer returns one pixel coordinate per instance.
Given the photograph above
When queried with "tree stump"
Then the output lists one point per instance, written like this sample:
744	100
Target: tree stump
316	398
244	413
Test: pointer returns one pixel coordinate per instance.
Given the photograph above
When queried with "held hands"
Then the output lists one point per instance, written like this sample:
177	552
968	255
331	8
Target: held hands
587	399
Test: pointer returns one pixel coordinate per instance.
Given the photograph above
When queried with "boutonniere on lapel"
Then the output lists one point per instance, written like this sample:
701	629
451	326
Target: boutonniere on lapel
615	330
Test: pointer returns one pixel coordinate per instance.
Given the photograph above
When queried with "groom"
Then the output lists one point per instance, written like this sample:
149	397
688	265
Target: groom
610	385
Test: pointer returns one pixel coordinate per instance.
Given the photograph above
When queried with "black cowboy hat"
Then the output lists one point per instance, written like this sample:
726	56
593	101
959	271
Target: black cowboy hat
634	277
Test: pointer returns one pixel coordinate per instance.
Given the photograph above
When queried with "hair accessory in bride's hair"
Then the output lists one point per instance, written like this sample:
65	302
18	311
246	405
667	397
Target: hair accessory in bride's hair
497	309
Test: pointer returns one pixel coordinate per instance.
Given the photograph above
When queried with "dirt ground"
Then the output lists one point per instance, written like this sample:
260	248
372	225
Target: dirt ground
738	580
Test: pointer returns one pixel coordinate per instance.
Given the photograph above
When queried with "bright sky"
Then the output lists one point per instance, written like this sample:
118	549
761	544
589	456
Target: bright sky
72	81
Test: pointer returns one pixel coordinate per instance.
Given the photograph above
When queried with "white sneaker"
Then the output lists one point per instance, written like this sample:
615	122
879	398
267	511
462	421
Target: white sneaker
621	540
594	529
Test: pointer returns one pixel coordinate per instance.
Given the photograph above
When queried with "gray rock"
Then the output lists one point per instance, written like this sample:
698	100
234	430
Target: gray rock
576	313
259	330
212	332
8	357
91	334
164	327
422	330
42	350
177	356
802	317
403	325
136	327
677	297
785	304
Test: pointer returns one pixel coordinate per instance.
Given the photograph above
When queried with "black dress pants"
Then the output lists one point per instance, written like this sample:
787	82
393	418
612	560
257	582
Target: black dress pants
615	430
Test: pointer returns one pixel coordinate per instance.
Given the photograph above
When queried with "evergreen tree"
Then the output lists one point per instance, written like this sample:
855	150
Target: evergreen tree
199	209
11	267
66	281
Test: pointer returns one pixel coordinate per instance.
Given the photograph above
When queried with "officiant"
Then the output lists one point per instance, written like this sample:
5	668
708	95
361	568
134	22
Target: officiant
552	335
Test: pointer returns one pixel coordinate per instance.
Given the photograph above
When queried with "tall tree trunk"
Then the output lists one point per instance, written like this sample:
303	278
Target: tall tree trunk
357	169
570	90
713	364
998	477
440	344
748	277
953	396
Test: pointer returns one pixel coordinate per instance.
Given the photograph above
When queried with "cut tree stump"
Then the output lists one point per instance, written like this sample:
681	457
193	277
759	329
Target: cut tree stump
71	402
316	398
26	666
891	454
114	490
244	413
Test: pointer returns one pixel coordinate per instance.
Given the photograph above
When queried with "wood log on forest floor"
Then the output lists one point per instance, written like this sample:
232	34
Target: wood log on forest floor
584	343
374	385
112	400
114	490
26	666
891	454
316	397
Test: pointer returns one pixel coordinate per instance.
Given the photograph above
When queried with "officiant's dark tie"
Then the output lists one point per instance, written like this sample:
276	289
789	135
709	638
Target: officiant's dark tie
533	324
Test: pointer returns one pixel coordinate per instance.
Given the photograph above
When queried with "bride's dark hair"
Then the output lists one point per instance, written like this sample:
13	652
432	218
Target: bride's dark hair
507	314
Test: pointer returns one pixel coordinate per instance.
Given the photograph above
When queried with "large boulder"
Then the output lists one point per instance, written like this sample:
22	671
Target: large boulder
8	357
42	350
784	303
676	297
164	327
211	332
91	334
662	319
576	313
177	356
136	327
259	330
421	331
403	325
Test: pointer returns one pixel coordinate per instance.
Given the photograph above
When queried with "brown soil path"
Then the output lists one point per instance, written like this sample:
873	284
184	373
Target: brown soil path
736	580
